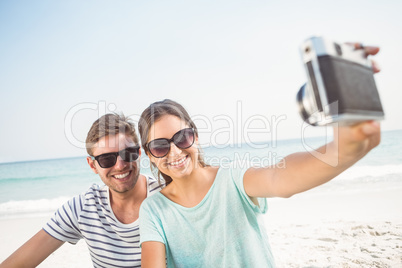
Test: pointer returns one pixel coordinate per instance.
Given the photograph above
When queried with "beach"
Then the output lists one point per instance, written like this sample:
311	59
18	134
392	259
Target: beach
337	230
355	220
352	229
17	231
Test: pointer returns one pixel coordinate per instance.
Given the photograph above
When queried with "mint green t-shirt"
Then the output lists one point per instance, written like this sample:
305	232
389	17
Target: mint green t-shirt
224	230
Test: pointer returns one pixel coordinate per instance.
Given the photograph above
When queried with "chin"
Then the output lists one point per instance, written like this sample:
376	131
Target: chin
187	171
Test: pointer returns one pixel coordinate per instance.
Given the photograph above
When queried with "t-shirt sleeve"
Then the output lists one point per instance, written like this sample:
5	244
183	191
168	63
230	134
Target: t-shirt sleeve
150	226
64	223
237	173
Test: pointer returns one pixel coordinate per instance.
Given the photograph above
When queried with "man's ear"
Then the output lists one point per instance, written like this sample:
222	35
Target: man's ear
91	164
139	154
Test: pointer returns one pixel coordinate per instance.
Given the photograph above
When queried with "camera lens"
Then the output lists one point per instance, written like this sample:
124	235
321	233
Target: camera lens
308	109
338	49
301	99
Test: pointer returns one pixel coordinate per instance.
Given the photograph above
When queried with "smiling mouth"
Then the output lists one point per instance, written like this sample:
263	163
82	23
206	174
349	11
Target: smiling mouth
121	176
179	162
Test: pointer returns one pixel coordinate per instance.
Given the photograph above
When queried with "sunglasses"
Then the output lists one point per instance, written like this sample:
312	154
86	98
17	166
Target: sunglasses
108	160
183	139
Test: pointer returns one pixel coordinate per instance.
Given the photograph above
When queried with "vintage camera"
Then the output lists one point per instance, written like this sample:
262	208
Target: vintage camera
340	88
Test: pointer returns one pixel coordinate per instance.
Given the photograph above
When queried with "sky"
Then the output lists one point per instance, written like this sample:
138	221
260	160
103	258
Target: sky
234	65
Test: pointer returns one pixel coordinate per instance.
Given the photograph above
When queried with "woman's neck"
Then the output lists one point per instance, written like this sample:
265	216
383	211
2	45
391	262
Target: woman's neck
189	191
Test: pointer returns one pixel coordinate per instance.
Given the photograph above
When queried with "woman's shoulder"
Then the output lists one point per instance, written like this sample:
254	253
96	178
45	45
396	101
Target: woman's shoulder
153	201
234	168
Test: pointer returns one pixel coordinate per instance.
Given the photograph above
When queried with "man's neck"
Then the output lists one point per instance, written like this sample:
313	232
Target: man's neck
126	205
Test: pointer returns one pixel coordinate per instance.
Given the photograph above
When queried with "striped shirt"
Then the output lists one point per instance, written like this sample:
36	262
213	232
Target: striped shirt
89	216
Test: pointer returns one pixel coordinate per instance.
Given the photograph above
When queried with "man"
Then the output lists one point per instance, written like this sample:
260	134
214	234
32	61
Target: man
105	216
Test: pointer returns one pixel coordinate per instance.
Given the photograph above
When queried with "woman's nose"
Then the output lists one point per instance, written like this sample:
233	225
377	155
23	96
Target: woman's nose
174	150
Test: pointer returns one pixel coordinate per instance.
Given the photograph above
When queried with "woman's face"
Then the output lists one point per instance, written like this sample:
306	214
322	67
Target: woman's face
178	163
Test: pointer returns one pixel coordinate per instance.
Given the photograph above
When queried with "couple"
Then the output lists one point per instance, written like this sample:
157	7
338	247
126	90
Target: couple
205	216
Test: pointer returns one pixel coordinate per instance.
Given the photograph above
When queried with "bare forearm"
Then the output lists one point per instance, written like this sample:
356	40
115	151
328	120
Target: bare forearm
306	170
153	255
33	252
302	171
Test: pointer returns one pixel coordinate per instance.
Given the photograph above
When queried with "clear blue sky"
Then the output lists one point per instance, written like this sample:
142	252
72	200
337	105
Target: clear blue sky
64	63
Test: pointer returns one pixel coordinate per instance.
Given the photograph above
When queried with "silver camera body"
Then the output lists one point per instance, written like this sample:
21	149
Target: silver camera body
340	88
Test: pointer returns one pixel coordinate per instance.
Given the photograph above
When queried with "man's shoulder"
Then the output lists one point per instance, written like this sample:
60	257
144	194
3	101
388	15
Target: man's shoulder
93	194
151	180
154	185
96	189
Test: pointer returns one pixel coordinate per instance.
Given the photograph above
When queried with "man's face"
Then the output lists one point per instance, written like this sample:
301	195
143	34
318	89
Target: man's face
123	176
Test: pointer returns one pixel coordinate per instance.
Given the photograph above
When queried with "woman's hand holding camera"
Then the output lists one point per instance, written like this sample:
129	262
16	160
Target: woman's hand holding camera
357	140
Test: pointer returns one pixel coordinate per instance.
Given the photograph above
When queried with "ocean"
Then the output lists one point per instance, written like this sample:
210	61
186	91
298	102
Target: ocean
40	187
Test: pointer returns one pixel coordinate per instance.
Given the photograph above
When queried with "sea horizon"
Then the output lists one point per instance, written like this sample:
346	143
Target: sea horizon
231	145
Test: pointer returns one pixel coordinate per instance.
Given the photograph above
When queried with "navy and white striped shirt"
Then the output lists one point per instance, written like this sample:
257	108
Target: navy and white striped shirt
89	216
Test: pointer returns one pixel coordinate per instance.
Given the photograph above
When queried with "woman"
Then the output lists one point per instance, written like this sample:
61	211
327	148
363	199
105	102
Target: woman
209	216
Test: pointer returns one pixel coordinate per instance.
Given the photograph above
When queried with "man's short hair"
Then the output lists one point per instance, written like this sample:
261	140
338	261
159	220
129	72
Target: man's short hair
110	124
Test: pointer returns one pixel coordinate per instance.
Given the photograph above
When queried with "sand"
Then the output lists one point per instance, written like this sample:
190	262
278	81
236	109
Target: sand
324	230
349	230
15	232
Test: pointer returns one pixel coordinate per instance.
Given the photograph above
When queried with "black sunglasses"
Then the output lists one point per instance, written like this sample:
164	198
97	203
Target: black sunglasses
108	160
183	139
